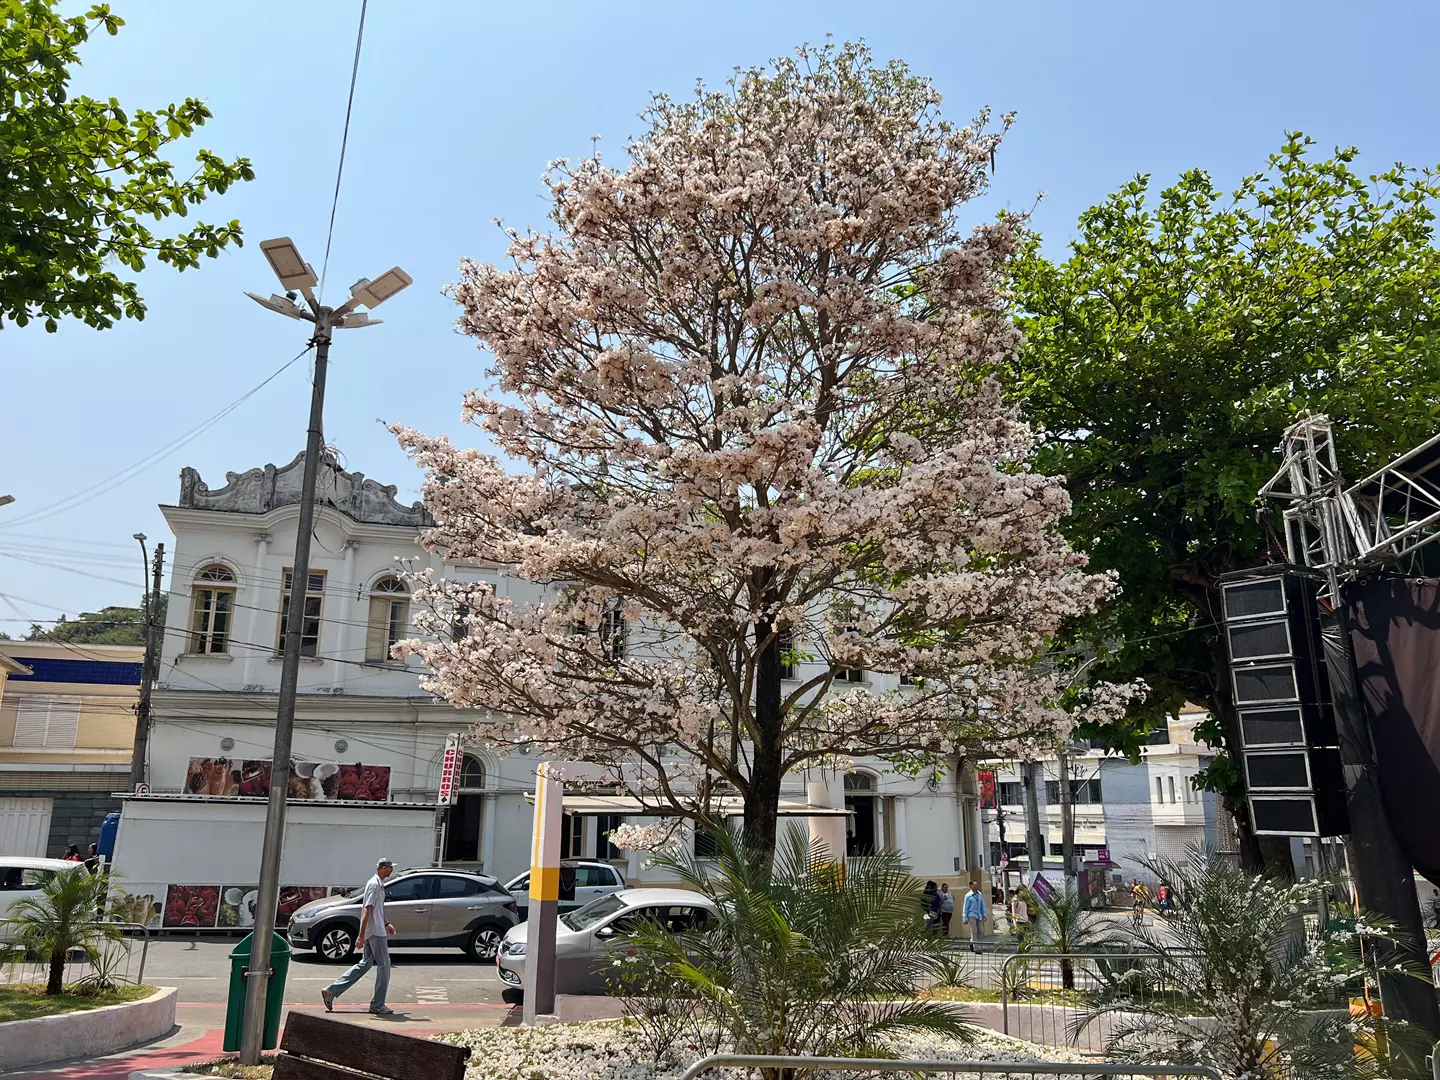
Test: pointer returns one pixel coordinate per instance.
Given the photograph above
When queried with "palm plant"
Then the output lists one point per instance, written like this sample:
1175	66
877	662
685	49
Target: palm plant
62	919
1062	924
805	957
1237	943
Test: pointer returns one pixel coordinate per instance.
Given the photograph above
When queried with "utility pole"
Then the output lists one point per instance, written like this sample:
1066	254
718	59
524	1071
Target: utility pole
295	273
1034	838
1067	818
154	638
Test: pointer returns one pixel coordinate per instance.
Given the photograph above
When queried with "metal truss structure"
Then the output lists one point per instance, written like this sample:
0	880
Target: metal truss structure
1344	531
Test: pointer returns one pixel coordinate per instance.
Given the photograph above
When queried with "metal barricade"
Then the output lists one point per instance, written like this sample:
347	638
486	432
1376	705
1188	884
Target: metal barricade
118	960
994	1069
1067	988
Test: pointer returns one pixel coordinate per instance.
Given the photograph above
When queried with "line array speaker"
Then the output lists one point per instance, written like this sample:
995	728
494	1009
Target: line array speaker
1282	697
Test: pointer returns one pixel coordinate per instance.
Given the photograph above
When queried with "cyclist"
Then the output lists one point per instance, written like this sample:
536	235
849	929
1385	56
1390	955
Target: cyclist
1140	896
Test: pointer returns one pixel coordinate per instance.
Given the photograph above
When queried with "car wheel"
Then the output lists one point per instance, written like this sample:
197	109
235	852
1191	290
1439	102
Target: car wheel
484	942
335	942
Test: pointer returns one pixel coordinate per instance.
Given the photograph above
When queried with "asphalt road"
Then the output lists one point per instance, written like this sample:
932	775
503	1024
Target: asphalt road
441	988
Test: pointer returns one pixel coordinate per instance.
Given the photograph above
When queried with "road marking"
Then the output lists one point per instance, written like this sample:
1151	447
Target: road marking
492	978
194	978
311	978
432	995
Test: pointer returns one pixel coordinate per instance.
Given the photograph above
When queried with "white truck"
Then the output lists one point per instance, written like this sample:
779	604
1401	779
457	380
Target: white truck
186	862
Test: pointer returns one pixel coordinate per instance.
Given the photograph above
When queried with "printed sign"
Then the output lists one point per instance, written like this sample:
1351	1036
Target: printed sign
449	770
1041	888
191	907
1103	855
987	790
325	781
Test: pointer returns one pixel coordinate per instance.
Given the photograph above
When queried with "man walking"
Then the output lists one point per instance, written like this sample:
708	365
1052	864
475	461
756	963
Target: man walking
374	946
974	914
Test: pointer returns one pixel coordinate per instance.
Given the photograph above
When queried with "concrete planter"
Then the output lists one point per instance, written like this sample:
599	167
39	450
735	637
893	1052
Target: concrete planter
89	1033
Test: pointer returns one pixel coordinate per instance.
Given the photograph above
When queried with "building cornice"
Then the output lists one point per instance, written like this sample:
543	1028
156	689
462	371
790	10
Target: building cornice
257	492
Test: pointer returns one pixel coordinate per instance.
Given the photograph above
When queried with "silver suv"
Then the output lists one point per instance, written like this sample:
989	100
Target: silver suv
429	909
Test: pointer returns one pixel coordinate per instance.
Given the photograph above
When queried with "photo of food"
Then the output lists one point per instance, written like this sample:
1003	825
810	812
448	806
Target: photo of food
142	909
237	906
359	783
191	907
294	897
254	779
212	776
307	780
312	780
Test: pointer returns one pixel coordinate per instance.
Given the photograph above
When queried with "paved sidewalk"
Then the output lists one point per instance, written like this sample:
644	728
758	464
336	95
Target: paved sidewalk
201	1033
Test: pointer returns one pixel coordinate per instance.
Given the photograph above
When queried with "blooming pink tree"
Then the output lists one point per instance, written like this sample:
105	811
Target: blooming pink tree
746	375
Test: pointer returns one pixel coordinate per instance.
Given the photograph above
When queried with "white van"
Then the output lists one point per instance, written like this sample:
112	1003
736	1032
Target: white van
21	877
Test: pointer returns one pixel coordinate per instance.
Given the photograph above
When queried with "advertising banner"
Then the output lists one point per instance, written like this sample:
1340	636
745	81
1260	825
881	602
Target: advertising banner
987	789
324	781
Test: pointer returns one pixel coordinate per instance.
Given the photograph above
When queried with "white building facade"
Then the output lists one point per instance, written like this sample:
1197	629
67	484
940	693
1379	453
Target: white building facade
1125	813
217	691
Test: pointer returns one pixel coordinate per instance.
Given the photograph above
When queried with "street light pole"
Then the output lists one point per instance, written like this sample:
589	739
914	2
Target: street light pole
268	903
295	273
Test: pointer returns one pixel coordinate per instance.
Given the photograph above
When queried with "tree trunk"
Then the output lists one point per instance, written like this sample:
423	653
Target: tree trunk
56	983
762	793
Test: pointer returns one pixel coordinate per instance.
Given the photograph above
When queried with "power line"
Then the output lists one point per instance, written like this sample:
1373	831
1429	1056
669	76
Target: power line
344	141
149	460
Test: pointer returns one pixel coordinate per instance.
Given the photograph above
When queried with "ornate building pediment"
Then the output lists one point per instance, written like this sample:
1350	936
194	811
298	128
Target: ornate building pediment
258	491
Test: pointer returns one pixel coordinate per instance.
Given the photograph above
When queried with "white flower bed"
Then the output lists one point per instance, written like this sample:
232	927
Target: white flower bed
612	1050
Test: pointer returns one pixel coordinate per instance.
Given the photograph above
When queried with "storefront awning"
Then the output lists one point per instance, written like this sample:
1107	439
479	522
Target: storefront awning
725	805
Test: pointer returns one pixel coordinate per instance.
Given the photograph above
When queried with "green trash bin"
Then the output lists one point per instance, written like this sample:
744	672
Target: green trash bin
274	997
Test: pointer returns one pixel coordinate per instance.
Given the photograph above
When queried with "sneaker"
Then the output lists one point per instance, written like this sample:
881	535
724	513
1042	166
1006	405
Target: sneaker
329	999
381	1011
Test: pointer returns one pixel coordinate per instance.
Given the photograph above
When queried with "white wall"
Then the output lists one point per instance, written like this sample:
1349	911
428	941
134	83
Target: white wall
179	842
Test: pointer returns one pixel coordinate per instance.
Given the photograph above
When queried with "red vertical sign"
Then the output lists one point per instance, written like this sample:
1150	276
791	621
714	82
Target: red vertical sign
449	770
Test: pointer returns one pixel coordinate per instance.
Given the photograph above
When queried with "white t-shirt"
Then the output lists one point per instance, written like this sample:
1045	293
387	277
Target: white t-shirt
374	899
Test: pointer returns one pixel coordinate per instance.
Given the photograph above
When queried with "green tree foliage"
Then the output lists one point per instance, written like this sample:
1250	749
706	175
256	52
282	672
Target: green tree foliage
1167	354
63	918
108	626
81	177
806	956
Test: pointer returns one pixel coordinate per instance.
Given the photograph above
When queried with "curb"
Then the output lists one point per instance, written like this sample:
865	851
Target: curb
90	1033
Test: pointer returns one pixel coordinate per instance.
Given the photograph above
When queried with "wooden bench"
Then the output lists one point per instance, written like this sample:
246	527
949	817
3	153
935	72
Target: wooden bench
318	1048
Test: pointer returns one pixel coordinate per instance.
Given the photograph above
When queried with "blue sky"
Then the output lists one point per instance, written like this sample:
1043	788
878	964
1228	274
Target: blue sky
459	108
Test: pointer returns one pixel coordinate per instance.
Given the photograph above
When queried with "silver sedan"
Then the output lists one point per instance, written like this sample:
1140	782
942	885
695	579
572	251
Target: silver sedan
588	939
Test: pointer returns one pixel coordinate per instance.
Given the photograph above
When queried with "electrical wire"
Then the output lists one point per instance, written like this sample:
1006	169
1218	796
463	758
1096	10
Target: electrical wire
344	141
115	480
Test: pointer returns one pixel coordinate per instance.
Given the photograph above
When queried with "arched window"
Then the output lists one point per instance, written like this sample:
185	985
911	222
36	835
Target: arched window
472	774
212	605
389	618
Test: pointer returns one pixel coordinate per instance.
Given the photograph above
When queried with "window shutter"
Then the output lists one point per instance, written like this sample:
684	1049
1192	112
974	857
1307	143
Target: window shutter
64	720
377	633
46	722
31	717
